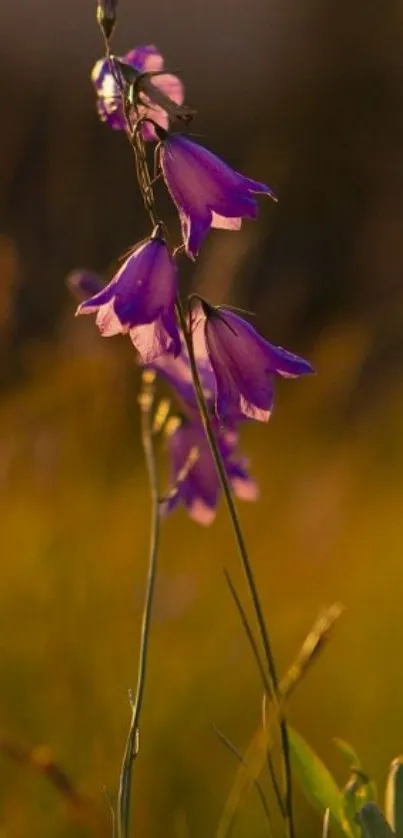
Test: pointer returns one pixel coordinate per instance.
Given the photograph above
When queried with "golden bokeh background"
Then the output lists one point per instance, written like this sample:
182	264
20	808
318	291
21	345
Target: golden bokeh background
309	99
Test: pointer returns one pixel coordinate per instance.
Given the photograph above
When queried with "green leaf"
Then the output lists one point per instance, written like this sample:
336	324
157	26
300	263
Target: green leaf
358	791
394	797
315	779
373	822
348	752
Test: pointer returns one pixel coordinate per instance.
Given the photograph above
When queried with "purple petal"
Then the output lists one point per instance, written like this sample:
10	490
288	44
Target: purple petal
93	303
148	130
144	58
112	114
107	322
145	284
195	175
171	86
168	320
198	163
205	190
199	490
257	188
289	365
244	365
197	229
245	488
176	371
201	512
108	103
220	222
84	284
152	340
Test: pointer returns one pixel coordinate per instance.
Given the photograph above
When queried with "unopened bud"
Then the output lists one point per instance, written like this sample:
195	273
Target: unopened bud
106	16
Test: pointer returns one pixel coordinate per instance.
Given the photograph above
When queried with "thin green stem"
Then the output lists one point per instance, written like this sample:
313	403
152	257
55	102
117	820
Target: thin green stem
143	175
132	744
228	495
248	631
243	553
265	681
257	786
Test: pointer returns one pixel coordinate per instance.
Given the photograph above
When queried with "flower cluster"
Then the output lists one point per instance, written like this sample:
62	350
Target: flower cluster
237	367
159	94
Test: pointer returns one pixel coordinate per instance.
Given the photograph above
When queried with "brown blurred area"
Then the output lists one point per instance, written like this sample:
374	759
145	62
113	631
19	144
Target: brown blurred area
305	96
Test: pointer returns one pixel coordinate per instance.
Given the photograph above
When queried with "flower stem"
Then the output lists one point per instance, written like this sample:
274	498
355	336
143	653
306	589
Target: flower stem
246	565
143	175
132	743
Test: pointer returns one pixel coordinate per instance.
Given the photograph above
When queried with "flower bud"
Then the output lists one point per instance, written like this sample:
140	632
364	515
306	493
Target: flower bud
106	16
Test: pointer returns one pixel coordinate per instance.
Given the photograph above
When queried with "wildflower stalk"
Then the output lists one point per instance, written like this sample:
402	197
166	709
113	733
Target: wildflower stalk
246	565
143	175
266	685
255	782
146	401
146	187
247	188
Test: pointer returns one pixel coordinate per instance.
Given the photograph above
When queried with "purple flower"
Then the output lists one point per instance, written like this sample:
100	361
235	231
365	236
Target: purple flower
84	284
206	191
244	364
140	300
194	475
176	371
145	59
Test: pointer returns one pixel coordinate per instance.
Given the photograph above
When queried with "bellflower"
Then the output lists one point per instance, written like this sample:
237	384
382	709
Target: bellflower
83	284
176	371
205	190
147	60
244	364
140	300
195	480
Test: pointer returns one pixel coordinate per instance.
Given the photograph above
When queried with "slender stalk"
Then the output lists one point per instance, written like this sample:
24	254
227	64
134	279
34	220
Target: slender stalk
143	175
248	631
132	744
270	763
246	565
228	495
257	786
265	681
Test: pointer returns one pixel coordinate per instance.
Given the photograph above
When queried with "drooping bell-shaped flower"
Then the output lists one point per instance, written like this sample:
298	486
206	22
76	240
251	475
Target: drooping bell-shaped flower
177	372
244	364
145	59
194	475
205	190
83	284
140	301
